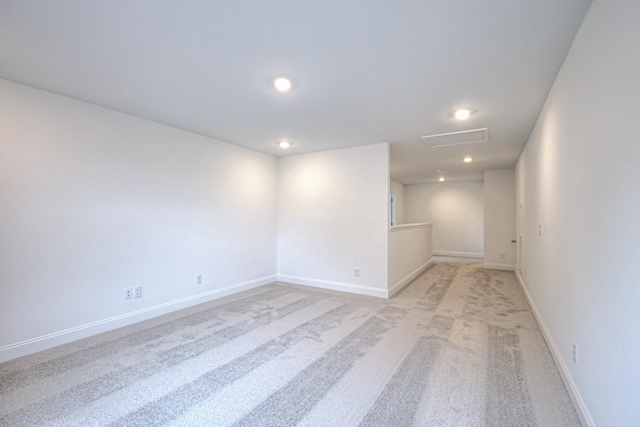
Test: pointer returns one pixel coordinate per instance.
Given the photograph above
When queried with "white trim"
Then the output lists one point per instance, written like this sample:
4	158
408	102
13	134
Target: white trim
335	286
409	278
402	227
54	339
459	254
574	393
490	266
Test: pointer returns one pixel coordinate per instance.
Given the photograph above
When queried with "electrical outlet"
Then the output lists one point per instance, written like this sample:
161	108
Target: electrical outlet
539	229
199	279
502	255
442	245
356	271
137	292
575	353
128	293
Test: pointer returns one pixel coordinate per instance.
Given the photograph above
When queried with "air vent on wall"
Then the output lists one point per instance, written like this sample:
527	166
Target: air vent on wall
456	138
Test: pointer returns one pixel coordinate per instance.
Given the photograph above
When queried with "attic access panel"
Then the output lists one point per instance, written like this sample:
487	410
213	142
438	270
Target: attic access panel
456	138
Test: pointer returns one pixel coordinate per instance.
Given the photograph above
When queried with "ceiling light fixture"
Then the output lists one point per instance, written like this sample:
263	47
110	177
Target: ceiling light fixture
282	84
467	159
284	144
441	179
462	114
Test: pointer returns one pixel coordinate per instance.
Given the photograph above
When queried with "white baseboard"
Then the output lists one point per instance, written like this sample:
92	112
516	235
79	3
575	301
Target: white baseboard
66	336
335	286
574	393
395	288
458	254
490	266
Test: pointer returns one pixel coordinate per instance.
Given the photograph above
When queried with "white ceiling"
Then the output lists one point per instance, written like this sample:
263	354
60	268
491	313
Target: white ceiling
364	72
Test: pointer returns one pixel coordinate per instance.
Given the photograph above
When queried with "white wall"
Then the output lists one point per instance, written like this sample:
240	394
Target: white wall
93	201
410	253
456	210
333	217
578	176
499	219
398	190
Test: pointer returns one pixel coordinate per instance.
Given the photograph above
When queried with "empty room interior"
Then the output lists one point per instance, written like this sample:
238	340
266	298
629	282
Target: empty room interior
319	213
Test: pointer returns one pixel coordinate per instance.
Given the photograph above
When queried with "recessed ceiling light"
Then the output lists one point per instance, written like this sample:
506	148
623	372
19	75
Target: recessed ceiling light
467	159
284	144
282	84
462	114
441	179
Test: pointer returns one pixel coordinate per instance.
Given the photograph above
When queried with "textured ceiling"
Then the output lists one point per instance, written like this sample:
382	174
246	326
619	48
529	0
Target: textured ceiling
363	72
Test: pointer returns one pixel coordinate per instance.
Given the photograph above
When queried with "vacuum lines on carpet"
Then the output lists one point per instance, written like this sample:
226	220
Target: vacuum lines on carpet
459	346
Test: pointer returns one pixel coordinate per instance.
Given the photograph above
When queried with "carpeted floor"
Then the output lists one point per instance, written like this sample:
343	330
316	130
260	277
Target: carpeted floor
458	347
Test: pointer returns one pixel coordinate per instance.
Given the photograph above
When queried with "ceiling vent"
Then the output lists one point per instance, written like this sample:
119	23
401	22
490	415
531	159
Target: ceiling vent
456	138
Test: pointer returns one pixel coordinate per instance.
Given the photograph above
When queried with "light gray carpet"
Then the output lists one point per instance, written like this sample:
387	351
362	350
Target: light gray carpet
458	347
